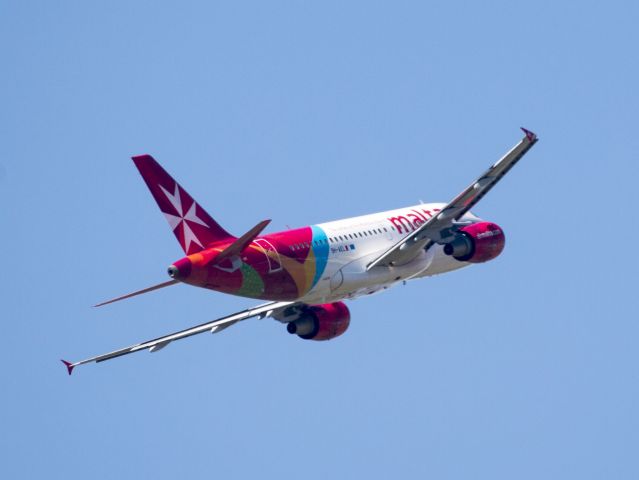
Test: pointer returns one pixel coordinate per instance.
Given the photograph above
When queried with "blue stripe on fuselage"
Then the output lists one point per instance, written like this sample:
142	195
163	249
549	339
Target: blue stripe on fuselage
320	249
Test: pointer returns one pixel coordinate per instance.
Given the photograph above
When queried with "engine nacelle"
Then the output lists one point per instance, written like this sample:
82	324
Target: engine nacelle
477	243
321	322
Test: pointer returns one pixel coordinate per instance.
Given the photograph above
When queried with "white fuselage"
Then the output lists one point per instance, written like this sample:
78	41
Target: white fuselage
356	242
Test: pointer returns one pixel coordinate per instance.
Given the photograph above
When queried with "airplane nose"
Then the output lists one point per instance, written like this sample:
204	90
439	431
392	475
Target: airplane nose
180	269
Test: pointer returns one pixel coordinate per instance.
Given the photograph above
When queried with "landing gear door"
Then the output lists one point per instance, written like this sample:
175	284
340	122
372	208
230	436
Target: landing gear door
272	257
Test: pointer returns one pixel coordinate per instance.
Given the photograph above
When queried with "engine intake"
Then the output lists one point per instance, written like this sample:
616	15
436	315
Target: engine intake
477	243
321	322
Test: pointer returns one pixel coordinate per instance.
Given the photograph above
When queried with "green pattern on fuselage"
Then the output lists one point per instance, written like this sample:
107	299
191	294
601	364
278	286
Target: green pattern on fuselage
252	284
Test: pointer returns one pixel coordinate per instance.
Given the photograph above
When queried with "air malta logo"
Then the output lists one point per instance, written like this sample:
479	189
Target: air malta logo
182	218
412	220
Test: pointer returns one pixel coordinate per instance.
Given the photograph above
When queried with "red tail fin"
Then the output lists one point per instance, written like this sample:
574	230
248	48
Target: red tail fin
192	226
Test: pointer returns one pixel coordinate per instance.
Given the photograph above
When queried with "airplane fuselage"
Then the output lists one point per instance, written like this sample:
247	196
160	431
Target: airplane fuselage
323	263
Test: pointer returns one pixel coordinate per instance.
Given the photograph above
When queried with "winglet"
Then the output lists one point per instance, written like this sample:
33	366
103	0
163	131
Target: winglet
529	135
69	366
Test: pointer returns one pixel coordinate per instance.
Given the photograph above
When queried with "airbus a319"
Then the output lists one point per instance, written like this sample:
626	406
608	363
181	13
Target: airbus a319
306	274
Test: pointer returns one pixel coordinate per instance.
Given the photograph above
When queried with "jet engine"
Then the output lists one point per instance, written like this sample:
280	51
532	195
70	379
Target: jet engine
321	322
477	243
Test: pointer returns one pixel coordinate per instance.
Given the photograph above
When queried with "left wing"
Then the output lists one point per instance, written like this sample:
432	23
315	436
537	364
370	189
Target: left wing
215	326
442	227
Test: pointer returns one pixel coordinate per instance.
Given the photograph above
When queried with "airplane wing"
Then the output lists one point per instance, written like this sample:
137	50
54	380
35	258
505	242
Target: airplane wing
215	326
441	228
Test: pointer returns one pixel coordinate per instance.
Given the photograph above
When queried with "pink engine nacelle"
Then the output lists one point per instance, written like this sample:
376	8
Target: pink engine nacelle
321	322
477	243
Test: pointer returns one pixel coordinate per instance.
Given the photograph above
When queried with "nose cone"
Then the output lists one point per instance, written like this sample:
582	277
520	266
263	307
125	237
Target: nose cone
180	269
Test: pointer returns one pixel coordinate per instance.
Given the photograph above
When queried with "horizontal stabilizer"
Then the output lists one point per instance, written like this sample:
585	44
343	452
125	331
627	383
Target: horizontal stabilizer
241	243
139	292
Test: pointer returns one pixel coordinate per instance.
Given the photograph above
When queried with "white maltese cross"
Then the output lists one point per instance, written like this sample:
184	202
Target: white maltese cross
175	221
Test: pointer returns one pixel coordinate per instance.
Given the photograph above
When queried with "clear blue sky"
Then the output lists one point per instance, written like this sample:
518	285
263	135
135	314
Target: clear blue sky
526	367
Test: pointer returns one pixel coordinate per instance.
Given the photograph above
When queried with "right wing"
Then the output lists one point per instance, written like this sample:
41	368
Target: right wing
442	227
215	326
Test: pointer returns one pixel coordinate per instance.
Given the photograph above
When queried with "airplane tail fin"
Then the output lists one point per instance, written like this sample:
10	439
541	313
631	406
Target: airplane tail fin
193	227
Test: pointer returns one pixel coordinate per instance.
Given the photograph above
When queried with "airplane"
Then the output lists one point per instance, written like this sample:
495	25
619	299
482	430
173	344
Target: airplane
306	274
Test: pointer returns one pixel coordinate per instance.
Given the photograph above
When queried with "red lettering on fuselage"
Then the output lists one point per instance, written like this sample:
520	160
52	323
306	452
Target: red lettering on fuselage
400	222
412	221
